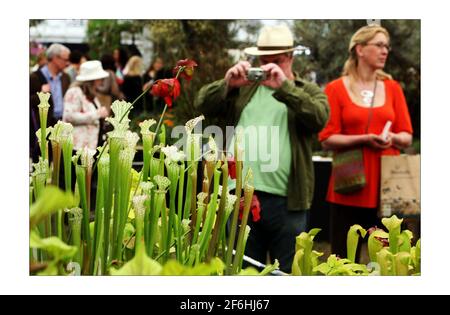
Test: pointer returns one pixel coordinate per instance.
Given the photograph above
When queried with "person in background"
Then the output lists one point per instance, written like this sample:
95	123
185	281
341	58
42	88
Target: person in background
76	58
109	90
298	110
120	56
49	78
363	84
82	108
154	72
132	85
107	93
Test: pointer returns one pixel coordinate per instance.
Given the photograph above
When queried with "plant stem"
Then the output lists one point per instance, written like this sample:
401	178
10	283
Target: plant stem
154	216
248	195
210	215
173	171
81	180
232	236
212	250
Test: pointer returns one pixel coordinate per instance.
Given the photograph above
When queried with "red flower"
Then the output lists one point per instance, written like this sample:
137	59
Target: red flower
255	209
169	89
188	70
231	167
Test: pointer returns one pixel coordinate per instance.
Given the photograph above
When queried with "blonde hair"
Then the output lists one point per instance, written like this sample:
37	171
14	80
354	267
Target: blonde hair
134	66
361	37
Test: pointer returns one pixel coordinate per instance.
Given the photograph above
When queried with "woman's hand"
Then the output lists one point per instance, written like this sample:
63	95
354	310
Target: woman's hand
377	142
401	140
102	112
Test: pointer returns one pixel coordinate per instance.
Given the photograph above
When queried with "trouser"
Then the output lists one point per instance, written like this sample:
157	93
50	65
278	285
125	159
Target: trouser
275	232
342	218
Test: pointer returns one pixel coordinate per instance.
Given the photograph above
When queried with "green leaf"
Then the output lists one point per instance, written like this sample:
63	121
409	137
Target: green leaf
140	265
314	232
249	271
270	268
393	224
417	260
402	260
296	269
352	240
174	268
374	245
384	259
51	200
323	268
53	245
404	241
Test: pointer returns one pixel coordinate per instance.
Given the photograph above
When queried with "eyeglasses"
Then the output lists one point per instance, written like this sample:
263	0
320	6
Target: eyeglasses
63	59
380	45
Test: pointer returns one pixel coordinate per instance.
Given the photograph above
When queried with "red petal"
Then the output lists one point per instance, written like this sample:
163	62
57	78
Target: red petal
232	168
256	209
168	101
160	88
176	89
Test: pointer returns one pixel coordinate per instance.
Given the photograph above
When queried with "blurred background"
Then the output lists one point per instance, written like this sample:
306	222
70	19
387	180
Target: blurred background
217	44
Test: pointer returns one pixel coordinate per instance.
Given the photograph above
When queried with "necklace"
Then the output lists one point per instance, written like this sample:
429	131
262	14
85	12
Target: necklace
367	97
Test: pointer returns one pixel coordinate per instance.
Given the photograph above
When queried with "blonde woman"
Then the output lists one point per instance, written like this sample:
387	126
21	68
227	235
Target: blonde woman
81	106
363	90
132	84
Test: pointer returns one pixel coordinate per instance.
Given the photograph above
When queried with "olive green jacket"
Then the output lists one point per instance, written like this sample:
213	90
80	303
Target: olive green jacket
308	113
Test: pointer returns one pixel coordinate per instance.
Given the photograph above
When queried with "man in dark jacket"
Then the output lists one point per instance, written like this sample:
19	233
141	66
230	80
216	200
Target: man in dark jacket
49	78
286	113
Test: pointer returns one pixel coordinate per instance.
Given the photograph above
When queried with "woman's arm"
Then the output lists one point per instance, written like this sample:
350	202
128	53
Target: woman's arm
73	109
338	141
401	140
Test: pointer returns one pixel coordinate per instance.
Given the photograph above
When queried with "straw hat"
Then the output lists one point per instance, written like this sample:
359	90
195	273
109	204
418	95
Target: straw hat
273	40
91	70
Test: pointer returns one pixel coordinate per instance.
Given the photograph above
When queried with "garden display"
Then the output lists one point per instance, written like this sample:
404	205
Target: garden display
156	220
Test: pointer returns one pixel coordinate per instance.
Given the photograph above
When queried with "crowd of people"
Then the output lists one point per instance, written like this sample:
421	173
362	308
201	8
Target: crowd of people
82	90
351	112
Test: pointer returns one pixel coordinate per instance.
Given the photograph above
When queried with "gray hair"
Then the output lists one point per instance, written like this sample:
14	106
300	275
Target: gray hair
55	50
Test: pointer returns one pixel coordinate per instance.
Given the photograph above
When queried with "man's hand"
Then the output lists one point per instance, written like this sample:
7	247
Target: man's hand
236	76
275	76
45	88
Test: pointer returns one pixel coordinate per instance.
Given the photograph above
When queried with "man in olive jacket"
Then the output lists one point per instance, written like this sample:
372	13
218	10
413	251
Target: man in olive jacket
299	110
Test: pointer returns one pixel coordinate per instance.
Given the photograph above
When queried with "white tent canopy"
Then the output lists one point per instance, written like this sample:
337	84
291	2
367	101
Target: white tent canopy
61	31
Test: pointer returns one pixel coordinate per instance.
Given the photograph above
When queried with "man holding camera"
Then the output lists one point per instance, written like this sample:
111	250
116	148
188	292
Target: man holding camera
272	96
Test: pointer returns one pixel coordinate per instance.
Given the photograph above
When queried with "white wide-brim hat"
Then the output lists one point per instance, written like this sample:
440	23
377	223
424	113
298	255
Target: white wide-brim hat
91	70
273	40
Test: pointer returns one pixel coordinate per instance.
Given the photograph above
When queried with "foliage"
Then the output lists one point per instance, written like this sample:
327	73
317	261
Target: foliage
391	254
105	35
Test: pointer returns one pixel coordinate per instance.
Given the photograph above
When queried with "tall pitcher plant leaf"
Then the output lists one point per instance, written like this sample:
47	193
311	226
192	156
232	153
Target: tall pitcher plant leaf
148	137
405	238
393	224
43	113
353	239
375	243
305	264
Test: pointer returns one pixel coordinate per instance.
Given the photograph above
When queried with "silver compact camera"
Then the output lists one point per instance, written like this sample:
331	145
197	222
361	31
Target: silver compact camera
256	74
